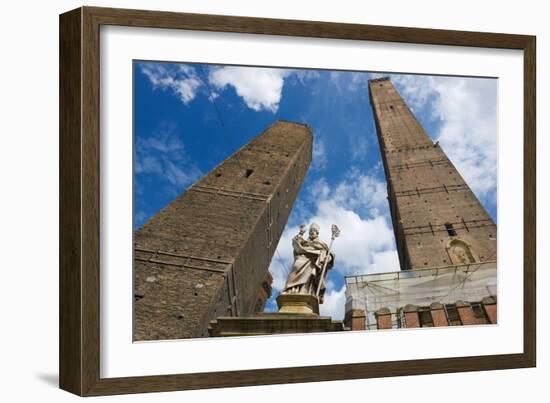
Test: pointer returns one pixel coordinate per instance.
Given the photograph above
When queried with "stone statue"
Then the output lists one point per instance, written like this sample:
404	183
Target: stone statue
312	257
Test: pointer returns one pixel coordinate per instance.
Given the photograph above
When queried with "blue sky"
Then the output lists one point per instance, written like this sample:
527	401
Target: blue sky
190	117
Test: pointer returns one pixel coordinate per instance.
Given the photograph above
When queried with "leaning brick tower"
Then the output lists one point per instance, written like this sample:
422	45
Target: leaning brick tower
437	219
446	241
207	253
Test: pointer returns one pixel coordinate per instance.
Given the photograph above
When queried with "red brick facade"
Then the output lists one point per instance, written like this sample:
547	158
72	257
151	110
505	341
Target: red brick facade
466	313
355	319
490	306
383	318
439	318
436	315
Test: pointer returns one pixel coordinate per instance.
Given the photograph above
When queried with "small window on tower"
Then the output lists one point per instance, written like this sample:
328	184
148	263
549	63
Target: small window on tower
450	230
248	172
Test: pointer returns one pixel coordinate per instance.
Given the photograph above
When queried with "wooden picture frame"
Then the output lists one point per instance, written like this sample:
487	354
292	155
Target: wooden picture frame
79	200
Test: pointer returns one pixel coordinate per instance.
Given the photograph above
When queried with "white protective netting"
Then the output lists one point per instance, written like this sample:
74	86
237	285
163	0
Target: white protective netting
445	285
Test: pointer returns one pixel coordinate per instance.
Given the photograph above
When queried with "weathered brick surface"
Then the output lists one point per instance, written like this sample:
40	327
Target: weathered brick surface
465	313
439	317
425	190
491	311
410	312
264	292
206	254
355	319
490	307
383	319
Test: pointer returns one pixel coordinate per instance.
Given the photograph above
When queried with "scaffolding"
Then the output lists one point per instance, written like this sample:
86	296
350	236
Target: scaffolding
445	285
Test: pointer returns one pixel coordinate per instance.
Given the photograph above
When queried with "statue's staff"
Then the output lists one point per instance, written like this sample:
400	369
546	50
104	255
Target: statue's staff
335	234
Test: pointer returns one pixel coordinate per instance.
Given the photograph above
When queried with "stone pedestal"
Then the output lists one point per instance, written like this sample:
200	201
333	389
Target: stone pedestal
273	323
298	303
298	313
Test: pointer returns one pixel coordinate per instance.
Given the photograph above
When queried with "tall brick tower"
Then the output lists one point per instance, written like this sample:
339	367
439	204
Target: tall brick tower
437	219
445	239
207	253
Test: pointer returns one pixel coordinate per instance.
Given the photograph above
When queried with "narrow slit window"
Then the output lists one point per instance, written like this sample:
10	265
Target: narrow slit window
450	230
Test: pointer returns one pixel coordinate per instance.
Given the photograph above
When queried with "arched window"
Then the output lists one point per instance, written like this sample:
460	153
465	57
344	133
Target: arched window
460	252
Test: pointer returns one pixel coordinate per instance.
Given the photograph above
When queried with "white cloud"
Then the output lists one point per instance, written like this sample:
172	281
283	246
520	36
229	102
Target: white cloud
417	90
360	238
359	147
334	303
384	261
319	189
361	192
319	157
279	269
162	154
179	177
303	76
148	164
260	88
469	131
182	80
348	81
466	108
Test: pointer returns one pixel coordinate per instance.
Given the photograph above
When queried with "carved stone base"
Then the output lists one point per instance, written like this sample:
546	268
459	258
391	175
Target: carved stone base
298	303
273	323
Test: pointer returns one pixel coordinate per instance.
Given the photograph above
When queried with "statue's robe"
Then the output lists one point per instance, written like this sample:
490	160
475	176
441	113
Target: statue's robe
308	264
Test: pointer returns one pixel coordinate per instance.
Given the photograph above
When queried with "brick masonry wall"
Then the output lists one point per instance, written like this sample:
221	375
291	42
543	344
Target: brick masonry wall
355	319
490	307
207	253
439	317
383	318
425	191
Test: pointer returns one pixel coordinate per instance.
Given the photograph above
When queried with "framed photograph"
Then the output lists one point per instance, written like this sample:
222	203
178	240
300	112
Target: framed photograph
249	201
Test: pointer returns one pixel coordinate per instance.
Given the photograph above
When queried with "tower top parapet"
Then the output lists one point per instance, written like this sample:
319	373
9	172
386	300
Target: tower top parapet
374	80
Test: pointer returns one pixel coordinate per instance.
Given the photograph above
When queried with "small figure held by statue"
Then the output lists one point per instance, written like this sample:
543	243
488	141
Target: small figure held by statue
312	260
